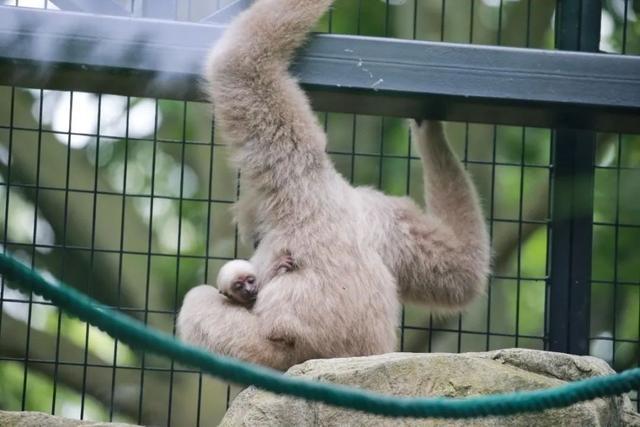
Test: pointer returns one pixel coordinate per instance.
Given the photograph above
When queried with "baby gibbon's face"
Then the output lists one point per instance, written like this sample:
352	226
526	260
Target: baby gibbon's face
237	281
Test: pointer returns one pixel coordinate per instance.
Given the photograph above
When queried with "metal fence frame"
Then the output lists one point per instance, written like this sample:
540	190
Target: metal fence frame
354	74
575	90
584	92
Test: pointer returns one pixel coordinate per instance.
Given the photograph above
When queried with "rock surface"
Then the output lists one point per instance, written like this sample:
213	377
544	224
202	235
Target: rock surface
450	375
38	419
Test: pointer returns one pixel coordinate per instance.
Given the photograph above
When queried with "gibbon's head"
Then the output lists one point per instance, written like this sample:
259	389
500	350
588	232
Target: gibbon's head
237	280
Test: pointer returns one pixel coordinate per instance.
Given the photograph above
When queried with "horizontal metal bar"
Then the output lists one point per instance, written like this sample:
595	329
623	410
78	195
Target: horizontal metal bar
127	56
141	57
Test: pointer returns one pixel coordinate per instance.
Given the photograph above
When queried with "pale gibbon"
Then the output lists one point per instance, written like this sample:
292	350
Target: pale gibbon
358	253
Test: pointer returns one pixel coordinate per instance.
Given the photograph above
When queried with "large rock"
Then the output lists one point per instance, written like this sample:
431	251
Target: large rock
38	419
450	375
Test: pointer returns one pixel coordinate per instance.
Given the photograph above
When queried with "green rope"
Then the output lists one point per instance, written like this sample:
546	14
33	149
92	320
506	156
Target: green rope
137	335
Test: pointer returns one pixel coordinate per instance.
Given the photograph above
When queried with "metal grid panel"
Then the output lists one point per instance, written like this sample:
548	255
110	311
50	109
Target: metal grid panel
615	286
127	200
376	18
112	210
125	181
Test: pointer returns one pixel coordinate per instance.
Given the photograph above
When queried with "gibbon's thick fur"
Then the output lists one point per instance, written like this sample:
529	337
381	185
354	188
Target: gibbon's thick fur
358	252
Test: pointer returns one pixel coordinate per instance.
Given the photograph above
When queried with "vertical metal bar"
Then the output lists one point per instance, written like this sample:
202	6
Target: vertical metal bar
359	19
120	252
162	9
149	254
33	254
179	252
63	266
443	7
381	158
616	229
330	18
547	261
492	205
207	249
492	197
521	202
407	190
625	26
94	213
519	249
5	231
616	241
578	28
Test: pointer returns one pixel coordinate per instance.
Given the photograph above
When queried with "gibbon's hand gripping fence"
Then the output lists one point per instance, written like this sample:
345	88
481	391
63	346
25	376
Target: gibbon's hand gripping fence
138	335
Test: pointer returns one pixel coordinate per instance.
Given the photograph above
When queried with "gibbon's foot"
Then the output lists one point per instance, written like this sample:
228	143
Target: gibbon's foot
243	289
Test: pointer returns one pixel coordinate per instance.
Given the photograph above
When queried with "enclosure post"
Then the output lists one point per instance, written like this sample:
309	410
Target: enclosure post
578	28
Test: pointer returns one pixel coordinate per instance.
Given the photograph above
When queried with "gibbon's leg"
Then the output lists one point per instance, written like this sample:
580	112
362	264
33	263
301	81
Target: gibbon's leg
219	325
441	258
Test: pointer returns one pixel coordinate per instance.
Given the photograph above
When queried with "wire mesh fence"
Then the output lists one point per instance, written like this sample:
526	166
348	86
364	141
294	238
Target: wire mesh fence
127	199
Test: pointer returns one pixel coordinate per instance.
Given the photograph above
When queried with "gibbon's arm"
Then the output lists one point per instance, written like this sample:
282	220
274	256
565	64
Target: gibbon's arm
259	106
441	258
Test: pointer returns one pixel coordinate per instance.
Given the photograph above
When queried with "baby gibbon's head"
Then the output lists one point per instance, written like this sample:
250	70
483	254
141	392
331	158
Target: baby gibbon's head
232	271
237	281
